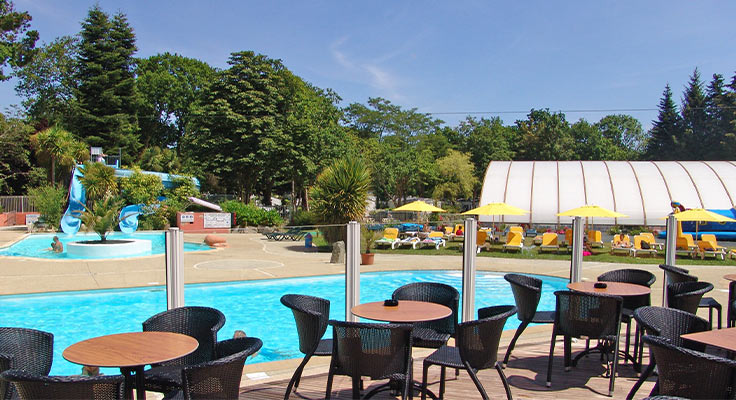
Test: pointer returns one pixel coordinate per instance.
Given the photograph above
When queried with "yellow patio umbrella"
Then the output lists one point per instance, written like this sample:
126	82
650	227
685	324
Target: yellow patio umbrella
494	209
701	214
591	211
419	206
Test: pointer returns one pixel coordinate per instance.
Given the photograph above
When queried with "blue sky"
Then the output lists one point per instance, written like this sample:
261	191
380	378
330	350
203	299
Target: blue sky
443	57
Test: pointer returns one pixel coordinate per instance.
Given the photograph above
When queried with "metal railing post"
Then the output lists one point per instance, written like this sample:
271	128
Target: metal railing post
174	268
471	233
352	270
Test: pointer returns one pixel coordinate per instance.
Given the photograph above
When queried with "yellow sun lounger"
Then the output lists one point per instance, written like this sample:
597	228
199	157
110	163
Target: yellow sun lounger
595	238
708	246
637	249
390	236
549	242
513	241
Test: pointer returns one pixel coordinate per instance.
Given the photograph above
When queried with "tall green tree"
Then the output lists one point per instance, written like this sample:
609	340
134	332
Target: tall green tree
47	82
543	136
625	136
666	134
697	139
457	180
106	98
485	140
17	41
169	85
236	132
727	111
16	169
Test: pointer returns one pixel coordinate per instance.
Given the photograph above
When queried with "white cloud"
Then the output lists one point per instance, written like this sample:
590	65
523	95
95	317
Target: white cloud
369	73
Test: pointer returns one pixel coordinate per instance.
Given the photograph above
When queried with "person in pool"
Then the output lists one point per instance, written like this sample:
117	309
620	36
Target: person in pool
56	245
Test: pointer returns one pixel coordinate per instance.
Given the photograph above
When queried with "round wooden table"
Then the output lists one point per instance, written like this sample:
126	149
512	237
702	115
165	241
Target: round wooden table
407	311
612	288
723	338
131	352
730	277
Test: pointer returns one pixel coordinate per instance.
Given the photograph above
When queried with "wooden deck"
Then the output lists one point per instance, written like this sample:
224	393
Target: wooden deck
526	374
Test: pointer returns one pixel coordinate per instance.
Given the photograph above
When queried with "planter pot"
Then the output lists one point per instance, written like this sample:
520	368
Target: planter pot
366	259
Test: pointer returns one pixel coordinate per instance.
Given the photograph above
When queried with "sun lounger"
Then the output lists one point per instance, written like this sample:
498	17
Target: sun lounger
708	246
649	237
549	242
595	239
480	241
291	234
390	235
513	241
412	241
434	239
637	249
621	246
685	246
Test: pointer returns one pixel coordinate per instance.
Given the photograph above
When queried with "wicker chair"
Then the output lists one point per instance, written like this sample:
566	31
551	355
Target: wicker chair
691	374
476	349
432	334
201	323
631	303
731	311
27	349
32	386
670	324
220	378
676	274
379	351
527	292
686	296
593	316
311	315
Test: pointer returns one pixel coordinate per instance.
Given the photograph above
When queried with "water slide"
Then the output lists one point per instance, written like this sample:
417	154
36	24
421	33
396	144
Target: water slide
70	222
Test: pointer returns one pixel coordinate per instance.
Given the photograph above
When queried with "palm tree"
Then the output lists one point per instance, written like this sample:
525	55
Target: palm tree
101	213
340	194
58	146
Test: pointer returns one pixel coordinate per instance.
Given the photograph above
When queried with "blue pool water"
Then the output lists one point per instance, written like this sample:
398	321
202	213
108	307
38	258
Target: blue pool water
251	306
35	245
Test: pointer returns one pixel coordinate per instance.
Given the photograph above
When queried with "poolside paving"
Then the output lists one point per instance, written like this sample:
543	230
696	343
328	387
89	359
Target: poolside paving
251	256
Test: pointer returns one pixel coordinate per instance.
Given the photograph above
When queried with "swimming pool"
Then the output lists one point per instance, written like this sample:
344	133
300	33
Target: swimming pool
251	306
35	245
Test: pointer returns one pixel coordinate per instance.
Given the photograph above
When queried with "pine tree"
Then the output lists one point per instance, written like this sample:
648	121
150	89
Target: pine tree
717	118
727	143
695	121
106	97
666	130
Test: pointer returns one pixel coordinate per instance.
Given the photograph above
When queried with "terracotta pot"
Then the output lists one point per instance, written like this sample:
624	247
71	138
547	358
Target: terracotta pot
366	258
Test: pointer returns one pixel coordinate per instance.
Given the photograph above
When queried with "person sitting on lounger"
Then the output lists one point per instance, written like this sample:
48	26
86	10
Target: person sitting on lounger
459	232
621	241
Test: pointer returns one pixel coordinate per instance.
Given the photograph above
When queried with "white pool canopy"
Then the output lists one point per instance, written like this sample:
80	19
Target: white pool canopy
642	190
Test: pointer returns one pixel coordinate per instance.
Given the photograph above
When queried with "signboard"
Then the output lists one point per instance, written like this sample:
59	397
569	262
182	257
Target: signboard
32	218
187	218
217	220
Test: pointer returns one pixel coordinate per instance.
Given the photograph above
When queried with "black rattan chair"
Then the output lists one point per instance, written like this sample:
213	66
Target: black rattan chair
631	303
731	312
691	374
527	292
592	316
476	349
669	323
27	349
379	351
201	323
432	334
686	296
675	275
220	378
311	315
32	386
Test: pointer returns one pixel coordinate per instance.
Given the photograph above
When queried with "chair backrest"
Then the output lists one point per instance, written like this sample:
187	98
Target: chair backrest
391	233
593	316
311	315
23	348
686	296
432	292
374	350
595	236
648	236
709	237
568	236
514	238
637	242
448	230
675	274
435	234
708	242
671	324
635	276
527	292
477	341
480	240
201	323
691	374
517	229
549	239
220	378
32	386
684	242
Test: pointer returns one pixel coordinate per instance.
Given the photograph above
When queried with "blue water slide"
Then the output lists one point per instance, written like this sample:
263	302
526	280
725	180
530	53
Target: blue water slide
129	218
70	222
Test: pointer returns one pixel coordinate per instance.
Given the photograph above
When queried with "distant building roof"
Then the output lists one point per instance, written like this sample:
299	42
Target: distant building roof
642	190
